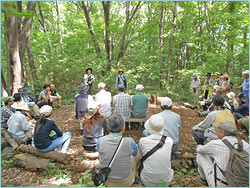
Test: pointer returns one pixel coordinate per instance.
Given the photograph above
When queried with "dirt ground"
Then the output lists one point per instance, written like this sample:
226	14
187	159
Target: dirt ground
65	119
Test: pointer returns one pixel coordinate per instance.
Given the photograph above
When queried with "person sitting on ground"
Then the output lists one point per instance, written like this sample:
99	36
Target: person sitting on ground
121	80
7	110
140	103
243	109
42	133
34	109
94	127
154	173
20	125
195	86
205	130
216	152
123	169
217	79
232	101
55	96
207	105
208	86
81	102
17	99
245	85
44	97
104	98
89	79
244	123
122	103
225	85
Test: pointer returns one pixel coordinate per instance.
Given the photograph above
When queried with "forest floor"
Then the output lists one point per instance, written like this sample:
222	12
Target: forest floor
65	119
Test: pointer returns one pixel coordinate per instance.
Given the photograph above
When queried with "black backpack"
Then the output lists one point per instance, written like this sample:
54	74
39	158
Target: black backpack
37	98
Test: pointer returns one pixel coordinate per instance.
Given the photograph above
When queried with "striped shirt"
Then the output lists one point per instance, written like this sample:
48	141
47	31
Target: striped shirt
122	103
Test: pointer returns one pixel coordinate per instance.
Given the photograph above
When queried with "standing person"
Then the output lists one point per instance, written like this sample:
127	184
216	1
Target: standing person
217	79
195	86
55	96
121	80
153	173
81	102
104	98
7	110
208	86
43	128
245	85
225	85
44	96
89	78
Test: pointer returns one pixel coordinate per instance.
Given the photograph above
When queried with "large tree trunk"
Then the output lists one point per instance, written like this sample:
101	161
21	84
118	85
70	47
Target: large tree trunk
58	26
4	93
31	62
161	40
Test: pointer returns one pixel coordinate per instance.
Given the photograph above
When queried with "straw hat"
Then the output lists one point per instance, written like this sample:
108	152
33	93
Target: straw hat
22	106
224	115
91	112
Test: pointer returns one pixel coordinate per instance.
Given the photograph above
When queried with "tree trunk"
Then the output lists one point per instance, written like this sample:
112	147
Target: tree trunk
31	62
10	140
4	93
161	40
58	26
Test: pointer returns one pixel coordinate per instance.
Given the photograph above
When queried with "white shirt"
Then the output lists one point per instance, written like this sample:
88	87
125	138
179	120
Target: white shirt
104	98
195	84
158	166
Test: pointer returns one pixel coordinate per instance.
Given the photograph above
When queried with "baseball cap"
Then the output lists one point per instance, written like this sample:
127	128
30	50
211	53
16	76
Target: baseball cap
101	85
165	101
139	87
46	110
245	72
19	86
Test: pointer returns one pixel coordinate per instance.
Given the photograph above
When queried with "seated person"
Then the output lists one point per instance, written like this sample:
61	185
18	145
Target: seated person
216	149
7	110
54	95
172	122
140	103
123	169
34	109
243	109
232	101
42	140
205	130
153	173
244	123
19	125
122	102
44	96
81	102
17	99
93	128
104	98
208	102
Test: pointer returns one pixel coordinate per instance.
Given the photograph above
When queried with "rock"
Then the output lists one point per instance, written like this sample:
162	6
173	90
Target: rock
30	162
4	143
176	164
8	152
188	156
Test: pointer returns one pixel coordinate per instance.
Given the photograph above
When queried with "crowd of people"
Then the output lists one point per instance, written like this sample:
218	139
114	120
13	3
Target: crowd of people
102	119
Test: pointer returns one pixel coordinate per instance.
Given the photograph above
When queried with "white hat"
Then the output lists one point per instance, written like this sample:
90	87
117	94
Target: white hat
22	106
231	95
19	86
216	87
194	76
165	101
155	124
139	87
46	110
101	85
245	72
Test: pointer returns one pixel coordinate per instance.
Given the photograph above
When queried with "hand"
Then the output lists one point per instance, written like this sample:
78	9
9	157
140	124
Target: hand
49	92
32	121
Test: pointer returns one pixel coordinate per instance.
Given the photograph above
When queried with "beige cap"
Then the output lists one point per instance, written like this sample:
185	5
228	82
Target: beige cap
22	106
46	110
155	124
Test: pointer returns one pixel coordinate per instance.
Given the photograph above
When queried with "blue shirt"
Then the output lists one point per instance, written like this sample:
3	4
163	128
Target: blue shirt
172	124
134	148
245	84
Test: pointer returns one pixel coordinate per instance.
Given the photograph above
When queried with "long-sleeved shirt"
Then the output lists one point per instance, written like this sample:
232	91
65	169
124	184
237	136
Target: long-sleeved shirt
6	112
122	103
244	109
18	126
172	125
42	139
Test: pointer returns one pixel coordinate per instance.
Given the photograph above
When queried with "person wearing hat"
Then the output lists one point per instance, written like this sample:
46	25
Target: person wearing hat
20	89
55	96
17	99
34	109
104	98
94	127
225	85
243	109
89	79
232	101
205	130
19	125
121	80
154	172
208	86
216	152
245	85
217	79
140	103
44	96
42	131
122	102
195	87
244	123
123	169
7	110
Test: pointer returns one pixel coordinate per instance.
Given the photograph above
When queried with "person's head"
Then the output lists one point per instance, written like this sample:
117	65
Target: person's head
8	101
83	89
45	112
26	91
219	92
215	88
17	97
116	123
101	86
88	71
92	114
246	74
22	107
52	86
139	88
241	98
208	75
155	124
218	102
217	75
120	71
20	88
231	97
225	77
121	88
194	76
166	103
46	87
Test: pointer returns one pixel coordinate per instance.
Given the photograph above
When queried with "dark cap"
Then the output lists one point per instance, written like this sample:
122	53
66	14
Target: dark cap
208	74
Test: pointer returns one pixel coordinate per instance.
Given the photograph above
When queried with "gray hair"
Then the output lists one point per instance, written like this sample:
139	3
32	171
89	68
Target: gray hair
227	133
116	122
219	92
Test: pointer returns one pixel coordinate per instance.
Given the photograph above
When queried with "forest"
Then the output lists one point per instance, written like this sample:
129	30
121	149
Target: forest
158	44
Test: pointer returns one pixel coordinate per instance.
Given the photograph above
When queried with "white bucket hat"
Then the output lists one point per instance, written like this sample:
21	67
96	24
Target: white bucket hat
101	85
155	124
245	72
22	106
165	101
231	95
46	110
216	87
139	87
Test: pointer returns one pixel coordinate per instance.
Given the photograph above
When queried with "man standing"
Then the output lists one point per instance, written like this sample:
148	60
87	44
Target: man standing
121	80
195	86
217	79
208	86
89	79
245	85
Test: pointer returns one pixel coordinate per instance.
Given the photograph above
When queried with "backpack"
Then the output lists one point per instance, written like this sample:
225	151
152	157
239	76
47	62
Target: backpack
37	98
231	86
237	172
